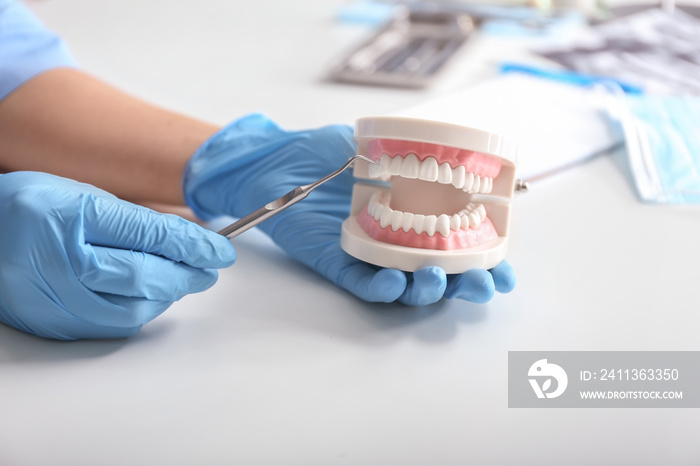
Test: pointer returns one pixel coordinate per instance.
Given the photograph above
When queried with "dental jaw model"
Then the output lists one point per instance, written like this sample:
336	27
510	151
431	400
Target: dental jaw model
441	196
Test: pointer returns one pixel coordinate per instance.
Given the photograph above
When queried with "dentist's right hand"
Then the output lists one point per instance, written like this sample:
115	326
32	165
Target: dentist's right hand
76	262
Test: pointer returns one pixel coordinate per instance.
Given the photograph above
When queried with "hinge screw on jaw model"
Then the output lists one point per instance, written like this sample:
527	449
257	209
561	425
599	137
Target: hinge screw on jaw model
521	186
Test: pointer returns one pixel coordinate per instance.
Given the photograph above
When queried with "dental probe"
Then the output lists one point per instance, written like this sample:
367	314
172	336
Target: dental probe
289	199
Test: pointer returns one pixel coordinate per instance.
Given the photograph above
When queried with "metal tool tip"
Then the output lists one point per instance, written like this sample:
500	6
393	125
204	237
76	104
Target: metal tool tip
366	159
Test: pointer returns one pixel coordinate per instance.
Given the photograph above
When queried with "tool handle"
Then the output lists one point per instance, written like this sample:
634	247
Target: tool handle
263	213
278	205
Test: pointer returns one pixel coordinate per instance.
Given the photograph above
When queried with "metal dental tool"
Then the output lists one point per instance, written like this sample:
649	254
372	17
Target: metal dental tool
289	199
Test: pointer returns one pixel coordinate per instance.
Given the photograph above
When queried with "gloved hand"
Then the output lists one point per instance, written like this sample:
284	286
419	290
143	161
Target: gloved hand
252	162
76	262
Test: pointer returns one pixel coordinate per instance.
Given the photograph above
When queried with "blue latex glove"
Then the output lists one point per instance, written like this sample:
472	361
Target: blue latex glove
253	161
76	262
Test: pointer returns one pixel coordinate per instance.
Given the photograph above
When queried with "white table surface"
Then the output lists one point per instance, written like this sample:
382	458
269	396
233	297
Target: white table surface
275	366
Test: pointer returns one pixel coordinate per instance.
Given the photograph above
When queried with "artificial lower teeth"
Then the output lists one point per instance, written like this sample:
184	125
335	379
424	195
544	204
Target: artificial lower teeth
407	221
430	224
418	223
442	225
378	208
396	220
455	222
474	220
385	218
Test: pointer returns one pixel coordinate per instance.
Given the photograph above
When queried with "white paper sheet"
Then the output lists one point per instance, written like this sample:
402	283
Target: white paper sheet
554	124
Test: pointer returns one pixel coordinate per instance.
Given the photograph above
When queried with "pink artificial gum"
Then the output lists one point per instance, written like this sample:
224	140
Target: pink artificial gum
473	162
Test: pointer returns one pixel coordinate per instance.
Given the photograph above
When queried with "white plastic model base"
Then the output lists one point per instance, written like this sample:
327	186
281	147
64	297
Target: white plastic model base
440	198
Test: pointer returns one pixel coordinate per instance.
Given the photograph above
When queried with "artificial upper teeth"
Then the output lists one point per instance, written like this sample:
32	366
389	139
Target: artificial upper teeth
430	170
459	177
444	173
468	182
477	184
378	208
486	185
410	166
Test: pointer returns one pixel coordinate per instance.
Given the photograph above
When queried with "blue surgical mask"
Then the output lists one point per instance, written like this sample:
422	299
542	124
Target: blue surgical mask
662	135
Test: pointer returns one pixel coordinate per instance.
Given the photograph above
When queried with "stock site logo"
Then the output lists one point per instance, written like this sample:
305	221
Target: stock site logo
542	373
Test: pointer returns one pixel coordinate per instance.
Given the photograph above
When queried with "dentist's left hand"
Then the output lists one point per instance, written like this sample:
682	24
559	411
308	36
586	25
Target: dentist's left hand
76	262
